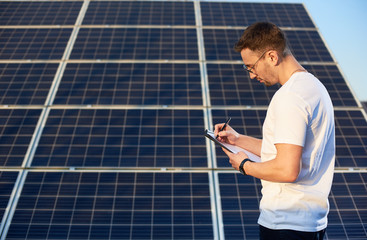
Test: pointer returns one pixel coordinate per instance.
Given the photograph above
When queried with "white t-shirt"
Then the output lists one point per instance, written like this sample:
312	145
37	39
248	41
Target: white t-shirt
300	113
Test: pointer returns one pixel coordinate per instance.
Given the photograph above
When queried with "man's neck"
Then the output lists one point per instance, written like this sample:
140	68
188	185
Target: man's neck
288	67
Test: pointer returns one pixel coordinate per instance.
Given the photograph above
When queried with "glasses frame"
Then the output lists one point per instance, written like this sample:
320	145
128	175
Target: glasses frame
250	69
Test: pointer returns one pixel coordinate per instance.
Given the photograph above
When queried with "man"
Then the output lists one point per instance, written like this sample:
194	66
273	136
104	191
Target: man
298	145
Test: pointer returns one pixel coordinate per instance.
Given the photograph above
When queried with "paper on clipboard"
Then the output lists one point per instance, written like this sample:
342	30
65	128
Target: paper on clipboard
232	148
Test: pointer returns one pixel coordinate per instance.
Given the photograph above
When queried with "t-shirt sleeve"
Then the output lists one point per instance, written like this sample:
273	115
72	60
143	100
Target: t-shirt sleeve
291	119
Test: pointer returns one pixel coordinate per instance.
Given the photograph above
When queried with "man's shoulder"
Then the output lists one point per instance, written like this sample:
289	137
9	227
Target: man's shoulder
302	85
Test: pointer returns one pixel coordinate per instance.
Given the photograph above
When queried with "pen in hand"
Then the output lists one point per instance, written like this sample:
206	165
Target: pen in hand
224	126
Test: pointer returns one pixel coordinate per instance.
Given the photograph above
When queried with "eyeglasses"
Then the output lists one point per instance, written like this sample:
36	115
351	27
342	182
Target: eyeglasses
250	69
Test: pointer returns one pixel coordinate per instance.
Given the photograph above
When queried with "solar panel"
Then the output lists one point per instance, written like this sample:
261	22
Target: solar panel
16	130
239	198
130	84
348	206
117	151
347	215
25	84
230	85
331	78
122	138
125	205
7	181
306	45
244	14
140	13
350	134
30	43
351	139
136	43
39	13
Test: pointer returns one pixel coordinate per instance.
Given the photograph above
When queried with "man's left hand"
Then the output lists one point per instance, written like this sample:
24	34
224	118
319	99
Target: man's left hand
235	159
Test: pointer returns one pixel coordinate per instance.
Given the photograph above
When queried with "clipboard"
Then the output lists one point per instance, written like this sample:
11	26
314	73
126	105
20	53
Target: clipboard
232	148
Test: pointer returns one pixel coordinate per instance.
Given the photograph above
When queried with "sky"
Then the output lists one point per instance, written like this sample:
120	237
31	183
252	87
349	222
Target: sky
343	26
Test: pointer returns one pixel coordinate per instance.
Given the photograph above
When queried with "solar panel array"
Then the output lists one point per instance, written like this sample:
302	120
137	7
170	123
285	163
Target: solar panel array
103	106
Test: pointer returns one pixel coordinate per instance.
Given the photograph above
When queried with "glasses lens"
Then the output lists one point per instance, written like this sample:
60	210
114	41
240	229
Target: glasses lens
246	68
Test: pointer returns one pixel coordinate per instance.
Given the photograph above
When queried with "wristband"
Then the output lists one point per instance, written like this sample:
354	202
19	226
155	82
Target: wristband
243	163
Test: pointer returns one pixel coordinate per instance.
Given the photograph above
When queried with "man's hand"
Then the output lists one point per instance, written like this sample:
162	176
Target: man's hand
228	135
235	159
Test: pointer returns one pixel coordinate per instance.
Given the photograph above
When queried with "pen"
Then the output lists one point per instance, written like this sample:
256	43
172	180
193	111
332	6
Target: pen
224	126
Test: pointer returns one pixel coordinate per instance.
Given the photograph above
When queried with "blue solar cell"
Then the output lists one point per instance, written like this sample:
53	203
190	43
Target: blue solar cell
33	43
7	181
25	84
39	13
140	13
17	127
136	43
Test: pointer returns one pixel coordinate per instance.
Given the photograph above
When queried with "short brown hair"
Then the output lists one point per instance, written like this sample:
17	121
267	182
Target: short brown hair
263	36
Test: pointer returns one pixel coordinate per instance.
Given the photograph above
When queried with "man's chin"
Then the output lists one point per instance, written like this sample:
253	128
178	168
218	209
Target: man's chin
267	84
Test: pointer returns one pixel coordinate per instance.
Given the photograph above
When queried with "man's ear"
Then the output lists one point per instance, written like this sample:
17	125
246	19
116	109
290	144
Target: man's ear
273	57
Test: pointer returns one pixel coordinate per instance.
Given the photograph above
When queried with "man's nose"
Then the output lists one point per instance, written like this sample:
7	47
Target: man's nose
253	75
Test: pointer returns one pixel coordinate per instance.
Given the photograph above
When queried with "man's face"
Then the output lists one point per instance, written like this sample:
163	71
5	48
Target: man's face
257	66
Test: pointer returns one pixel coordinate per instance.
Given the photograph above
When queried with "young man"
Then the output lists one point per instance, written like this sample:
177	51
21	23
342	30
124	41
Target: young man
298	145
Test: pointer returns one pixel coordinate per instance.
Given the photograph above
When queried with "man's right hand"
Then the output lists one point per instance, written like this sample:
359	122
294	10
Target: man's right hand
228	135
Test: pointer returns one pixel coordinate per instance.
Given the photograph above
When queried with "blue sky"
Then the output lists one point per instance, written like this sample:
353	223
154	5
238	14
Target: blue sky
342	24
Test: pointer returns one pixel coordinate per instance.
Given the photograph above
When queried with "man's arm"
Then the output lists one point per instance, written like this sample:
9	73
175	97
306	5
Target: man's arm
284	168
250	144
